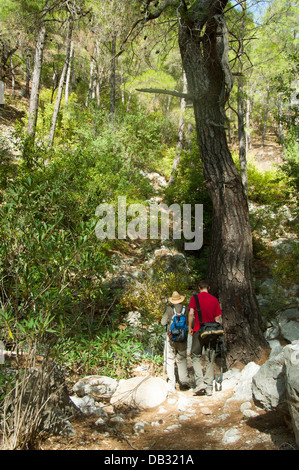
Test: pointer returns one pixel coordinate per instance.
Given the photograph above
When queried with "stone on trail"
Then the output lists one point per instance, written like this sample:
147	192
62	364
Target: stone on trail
140	392
98	387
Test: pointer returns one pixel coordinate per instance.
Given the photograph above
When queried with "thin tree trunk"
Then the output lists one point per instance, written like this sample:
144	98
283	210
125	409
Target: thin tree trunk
129	101
242	136
122	85
28	75
13	80
248	135
2	93
180	141
91	72
168	107
280	125
54	84
98	85
68	75
60	86
35	87
112	79
266	117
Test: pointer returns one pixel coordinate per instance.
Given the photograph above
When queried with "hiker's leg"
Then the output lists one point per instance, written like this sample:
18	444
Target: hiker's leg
170	362
209	373
181	360
196	352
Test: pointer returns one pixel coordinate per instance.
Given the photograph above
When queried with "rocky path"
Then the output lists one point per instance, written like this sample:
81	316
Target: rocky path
182	422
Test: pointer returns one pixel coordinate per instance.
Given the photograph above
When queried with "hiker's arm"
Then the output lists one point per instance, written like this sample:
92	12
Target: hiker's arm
191	318
218	319
165	318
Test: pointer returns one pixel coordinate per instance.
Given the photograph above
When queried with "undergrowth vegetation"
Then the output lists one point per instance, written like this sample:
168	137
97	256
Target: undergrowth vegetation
53	266
53	295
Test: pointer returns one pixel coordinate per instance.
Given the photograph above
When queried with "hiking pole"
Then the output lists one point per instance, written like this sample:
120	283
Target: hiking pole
165	357
218	380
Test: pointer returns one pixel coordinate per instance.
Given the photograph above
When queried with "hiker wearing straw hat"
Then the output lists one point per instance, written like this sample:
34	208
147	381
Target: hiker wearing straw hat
175	348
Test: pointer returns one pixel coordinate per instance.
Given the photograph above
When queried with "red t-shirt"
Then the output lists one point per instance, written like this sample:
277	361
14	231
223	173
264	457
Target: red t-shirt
209	307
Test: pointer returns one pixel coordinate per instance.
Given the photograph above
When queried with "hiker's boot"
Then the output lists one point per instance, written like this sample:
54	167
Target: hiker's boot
184	386
199	389
209	392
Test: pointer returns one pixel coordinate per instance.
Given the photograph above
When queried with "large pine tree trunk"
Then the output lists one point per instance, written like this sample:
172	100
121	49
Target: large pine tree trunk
204	50
35	87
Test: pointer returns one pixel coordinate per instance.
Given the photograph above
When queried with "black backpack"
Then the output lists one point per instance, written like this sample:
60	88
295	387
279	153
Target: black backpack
209	331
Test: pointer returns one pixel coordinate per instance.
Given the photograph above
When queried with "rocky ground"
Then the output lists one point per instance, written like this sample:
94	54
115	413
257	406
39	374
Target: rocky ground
183	422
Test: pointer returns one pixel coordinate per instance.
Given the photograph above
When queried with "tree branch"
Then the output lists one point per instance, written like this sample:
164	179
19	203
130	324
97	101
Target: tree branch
155	14
178	94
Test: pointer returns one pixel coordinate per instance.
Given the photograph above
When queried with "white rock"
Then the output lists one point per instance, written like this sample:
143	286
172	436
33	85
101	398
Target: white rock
250	413
243	390
139	427
245	406
162	410
86	404
100	422
140	392
117	419
96	386
174	427
231	436
184	417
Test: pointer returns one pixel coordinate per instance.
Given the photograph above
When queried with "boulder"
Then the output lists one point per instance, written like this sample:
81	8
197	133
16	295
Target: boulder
140	392
88	406
171	260
289	324
243	389
98	387
268	385
291	357
230	379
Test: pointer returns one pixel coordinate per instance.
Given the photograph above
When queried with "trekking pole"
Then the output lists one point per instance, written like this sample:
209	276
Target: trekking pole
218	380
165	357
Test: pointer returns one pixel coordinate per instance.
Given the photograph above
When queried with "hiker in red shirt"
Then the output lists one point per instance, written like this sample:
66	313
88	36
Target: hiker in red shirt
211	312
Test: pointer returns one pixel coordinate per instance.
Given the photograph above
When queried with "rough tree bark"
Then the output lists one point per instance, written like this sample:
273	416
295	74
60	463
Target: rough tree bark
203	42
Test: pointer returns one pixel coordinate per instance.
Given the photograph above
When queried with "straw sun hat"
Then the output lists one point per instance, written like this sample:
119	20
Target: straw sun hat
176	298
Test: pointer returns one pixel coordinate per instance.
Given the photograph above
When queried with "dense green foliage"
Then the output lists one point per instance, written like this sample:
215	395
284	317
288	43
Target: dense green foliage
53	269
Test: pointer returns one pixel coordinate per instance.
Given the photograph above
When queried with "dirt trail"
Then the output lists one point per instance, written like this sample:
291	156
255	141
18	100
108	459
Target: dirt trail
183	422
268	156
